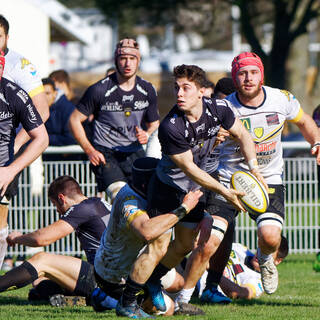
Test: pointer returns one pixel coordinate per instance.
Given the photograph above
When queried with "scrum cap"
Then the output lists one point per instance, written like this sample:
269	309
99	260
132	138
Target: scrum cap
246	59
127	47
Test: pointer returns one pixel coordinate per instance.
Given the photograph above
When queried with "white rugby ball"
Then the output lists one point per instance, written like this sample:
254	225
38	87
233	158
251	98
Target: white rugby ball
256	199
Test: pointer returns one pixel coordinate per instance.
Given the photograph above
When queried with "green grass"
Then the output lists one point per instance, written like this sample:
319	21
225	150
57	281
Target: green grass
298	297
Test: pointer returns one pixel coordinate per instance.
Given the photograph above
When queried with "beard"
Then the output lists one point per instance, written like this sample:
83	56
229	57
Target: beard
250	95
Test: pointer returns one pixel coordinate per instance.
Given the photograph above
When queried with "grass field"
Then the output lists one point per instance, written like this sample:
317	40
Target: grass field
298	297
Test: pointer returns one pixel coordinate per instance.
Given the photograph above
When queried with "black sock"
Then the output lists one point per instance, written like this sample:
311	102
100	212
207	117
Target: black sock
213	279
18	277
130	292
159	271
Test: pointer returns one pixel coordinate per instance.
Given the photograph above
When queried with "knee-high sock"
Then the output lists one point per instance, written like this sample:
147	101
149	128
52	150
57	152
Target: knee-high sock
18	277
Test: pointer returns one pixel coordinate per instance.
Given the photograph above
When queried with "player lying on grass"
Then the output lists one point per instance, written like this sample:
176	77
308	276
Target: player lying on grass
88	217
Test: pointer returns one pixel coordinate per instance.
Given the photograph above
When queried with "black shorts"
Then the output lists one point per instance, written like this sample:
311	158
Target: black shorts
118	167
163	198
276	200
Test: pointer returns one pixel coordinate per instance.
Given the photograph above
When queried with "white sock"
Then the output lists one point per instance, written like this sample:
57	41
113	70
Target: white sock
263	257
185	295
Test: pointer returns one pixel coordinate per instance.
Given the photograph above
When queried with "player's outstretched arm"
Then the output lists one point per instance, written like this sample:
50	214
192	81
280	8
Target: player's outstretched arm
234	291
41	237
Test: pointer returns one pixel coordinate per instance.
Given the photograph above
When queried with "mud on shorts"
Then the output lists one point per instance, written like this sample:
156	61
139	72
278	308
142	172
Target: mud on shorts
118	166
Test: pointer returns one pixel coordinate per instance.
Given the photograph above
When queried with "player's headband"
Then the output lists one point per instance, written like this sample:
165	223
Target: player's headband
246	59
2	62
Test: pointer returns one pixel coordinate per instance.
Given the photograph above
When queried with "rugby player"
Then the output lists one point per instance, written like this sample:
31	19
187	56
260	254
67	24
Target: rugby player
16	108
125	115
263	111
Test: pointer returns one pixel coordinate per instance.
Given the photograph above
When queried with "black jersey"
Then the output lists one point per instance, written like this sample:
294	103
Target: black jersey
118	112
15	107
178	135
89	219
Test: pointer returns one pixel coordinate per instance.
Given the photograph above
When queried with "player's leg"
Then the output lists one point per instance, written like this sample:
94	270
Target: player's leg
217	263
4	208
269	237
143	268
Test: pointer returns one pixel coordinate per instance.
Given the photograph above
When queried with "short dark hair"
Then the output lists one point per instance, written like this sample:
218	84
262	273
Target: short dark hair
4	24
49	82
60	75
283	248
66	185
192	73
209	84
225	85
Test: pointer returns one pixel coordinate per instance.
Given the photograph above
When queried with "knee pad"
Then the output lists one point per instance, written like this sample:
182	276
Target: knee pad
114	188
219	228
269	218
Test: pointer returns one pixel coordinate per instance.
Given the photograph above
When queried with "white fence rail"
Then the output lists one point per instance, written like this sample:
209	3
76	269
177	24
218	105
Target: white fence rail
28	212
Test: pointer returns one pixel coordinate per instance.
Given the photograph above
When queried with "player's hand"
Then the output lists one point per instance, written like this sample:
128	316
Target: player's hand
142	135
191	199
315	150
204	227
232	196
12	236
6	176
260	178
221	136
96	157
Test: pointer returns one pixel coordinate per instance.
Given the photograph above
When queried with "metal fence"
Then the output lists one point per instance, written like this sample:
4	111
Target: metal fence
28	212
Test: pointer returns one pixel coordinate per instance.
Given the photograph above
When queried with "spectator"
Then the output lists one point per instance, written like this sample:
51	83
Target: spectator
110	70
60	111
61	81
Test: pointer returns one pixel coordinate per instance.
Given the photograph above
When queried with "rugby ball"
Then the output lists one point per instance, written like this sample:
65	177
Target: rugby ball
149	308
256	199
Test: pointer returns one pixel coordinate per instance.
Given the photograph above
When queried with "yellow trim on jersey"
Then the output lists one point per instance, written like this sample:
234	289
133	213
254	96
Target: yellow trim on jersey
271	135
137	214
252	287
36	91
298	117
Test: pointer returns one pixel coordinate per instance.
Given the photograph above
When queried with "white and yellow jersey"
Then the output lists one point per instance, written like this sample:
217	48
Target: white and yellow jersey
22	72
238	272
120	245
265	124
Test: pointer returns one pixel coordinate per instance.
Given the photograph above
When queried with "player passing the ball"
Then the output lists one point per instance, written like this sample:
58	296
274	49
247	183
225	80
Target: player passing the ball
263	111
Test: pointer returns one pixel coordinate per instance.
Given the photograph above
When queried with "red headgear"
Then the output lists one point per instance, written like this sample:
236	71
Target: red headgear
246	59
127	47
2	62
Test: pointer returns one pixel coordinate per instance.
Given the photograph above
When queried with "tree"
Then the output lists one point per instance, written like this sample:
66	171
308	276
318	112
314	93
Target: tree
289	19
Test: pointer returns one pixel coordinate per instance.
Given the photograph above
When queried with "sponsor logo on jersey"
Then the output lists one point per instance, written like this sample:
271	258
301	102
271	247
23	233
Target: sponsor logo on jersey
140	105
173	119
5	115
24	62
127	98
265	149
186	133
272	119
208	113
212	131
247	123
112	106
207	100
2	98
22	95
127	111
139	88
32	116
258	132
201	128
110	91
67	212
